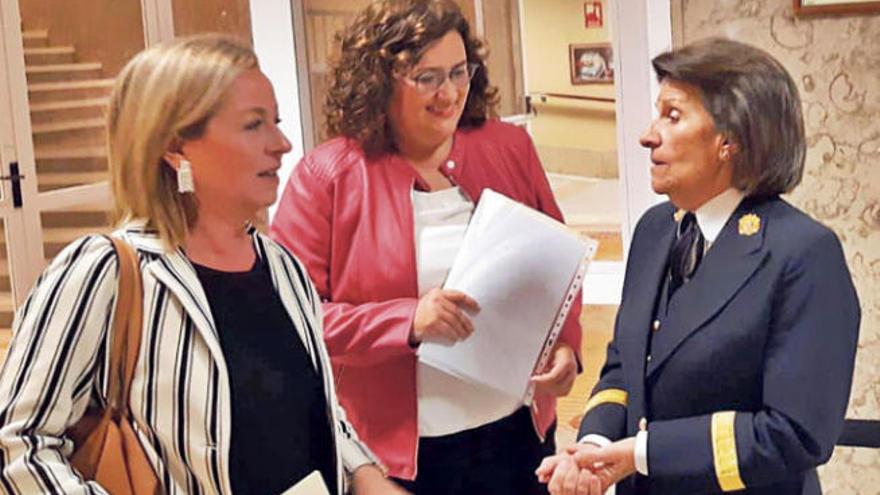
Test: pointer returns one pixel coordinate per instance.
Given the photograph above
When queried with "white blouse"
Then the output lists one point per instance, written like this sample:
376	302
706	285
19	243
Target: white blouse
447	404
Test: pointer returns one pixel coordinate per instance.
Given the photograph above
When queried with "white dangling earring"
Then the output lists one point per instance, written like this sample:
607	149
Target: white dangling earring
185	177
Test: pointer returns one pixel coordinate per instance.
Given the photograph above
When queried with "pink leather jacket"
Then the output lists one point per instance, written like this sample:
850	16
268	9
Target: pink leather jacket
349	219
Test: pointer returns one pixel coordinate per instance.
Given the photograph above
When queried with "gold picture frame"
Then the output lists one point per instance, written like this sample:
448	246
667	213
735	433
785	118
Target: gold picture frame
591	63
830	7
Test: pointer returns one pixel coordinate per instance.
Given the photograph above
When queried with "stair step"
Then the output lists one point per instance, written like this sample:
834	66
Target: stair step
69	125
54	160
50	54
30	34
51	106
74	133
50	50
70	85
54	111
67	90
35	37
89	219
68	234
7	314
49	182
70	153
55	239
53	68
63	72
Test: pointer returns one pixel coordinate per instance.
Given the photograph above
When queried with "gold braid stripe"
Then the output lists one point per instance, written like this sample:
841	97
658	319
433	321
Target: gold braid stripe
608	396
724	451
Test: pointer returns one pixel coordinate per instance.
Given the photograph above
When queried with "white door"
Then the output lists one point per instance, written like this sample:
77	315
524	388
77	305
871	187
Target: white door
19	251
58	64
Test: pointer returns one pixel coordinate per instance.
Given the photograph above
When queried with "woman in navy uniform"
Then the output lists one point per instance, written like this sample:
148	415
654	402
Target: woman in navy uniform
732	358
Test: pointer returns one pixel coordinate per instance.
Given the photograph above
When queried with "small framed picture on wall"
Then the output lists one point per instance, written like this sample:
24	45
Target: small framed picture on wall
591	63
823	7
593	15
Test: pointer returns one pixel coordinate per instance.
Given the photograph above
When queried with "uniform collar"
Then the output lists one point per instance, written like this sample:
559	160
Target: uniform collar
712	216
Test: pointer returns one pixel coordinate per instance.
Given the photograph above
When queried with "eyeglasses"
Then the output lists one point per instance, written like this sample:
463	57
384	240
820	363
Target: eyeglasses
431	80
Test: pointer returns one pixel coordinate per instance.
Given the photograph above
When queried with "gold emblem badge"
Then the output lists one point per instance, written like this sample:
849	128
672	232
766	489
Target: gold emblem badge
749	224
678	215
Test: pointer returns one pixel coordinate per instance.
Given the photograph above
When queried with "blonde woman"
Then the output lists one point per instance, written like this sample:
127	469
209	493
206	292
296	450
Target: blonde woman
233	391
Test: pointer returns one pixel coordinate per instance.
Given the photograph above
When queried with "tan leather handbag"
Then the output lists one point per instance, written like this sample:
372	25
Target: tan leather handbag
107	448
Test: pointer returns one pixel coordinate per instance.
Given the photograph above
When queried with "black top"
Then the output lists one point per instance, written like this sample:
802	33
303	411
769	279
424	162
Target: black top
280	423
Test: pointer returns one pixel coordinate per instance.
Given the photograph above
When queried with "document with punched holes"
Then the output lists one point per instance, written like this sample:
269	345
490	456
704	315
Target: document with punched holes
523	268
313	484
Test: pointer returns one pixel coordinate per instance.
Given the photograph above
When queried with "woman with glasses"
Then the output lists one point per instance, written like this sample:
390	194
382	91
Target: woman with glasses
377	215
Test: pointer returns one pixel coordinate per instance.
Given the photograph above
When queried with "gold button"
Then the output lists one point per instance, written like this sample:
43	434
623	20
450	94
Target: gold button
656	325
643	424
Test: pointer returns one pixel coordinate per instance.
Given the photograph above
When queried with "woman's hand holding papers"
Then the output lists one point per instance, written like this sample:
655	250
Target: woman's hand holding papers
440	316
558	378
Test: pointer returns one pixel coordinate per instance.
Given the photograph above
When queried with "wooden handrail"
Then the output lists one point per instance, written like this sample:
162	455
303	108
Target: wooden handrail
543	97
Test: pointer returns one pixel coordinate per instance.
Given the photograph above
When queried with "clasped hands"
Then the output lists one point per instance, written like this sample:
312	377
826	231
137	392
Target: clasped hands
443	315
587	469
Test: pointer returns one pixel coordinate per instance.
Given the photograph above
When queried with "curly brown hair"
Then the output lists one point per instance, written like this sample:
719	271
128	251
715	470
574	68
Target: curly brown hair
385	40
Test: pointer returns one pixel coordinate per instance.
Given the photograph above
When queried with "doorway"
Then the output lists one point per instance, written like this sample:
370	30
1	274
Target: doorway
58	64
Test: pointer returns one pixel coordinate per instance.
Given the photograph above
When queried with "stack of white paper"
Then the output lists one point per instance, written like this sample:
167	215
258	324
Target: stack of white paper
519	265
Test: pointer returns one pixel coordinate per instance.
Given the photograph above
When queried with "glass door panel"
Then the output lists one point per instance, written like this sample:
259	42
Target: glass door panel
323	20
71	58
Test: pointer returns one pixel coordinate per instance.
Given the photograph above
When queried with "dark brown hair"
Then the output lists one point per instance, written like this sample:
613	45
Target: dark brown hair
753	101
385	40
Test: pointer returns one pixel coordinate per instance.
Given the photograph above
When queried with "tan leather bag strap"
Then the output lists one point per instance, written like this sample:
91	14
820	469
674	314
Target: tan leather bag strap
126	330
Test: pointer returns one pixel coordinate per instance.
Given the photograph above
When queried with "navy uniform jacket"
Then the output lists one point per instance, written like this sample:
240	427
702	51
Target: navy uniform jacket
750	370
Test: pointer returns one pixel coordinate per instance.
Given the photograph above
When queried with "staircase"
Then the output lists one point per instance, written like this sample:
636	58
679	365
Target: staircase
67	99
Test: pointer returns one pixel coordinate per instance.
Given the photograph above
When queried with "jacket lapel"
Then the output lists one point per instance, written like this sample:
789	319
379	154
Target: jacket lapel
173	269
729	263
644	278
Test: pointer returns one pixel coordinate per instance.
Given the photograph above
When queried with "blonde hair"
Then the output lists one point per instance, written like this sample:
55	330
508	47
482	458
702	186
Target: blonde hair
165	95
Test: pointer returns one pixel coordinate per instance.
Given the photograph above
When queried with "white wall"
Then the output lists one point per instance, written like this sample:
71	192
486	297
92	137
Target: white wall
644	31
272	27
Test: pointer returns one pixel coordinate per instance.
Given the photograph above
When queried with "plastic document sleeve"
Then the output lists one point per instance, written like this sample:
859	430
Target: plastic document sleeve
524	269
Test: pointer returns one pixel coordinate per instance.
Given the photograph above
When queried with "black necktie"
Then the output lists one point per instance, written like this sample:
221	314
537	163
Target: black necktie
686	252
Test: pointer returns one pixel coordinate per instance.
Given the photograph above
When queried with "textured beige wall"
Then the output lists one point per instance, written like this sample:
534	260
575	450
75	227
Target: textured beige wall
836	61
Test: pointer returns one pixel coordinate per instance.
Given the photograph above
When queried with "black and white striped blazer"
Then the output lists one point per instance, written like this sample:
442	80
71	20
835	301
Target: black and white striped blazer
180	395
